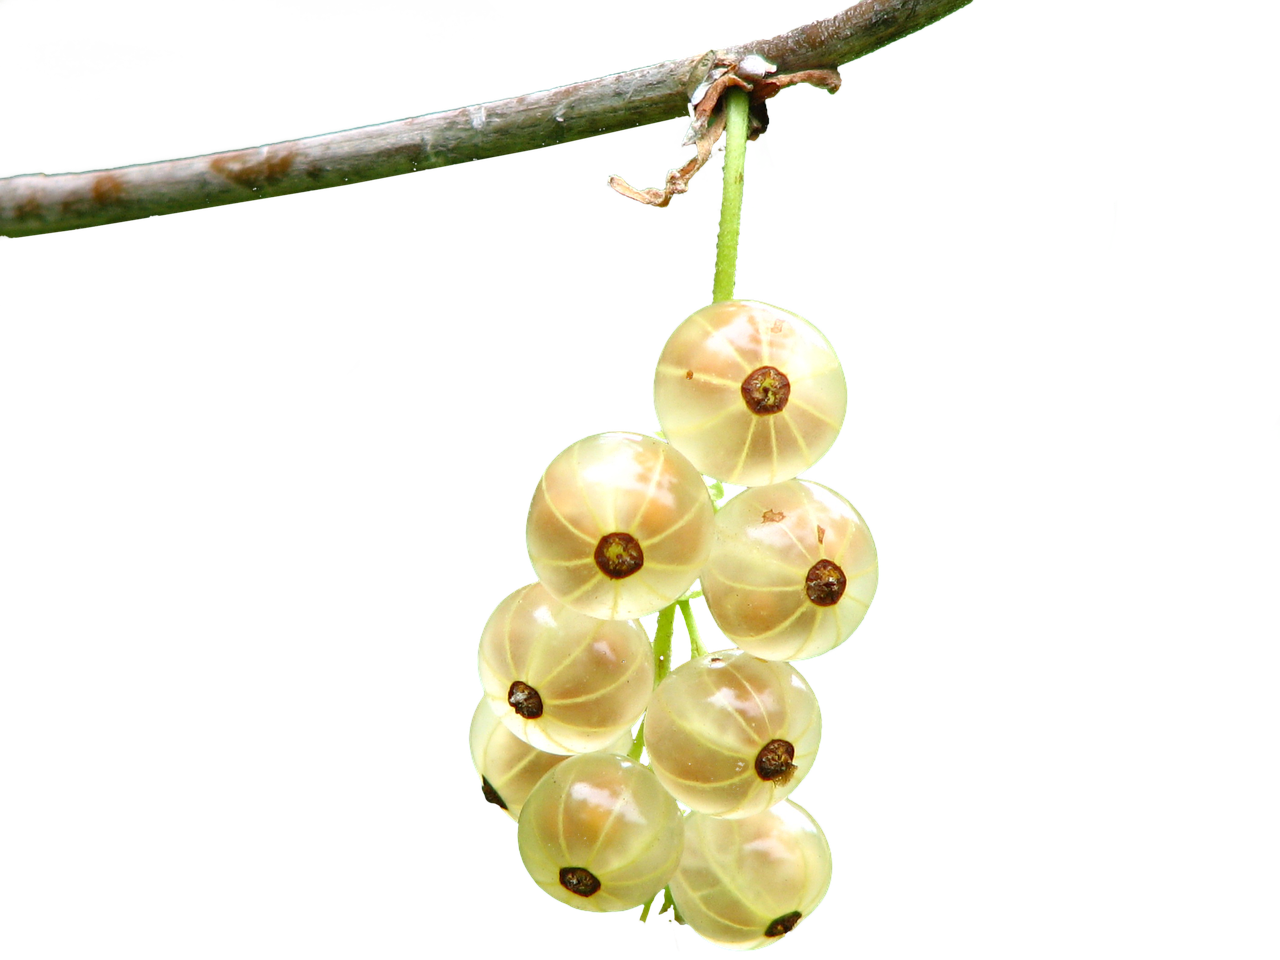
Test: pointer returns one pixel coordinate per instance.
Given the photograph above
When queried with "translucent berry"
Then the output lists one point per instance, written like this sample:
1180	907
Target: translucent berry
748	882
509	768
560	680
730	734
792	570
750	393
598	832
619	526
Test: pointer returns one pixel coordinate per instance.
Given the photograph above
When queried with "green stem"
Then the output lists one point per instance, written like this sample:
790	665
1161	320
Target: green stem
662	642
716	489
669	903
696	649
735	157
644	914
636	752
661	665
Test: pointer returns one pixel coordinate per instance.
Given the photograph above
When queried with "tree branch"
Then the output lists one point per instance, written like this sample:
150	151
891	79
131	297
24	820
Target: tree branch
41	203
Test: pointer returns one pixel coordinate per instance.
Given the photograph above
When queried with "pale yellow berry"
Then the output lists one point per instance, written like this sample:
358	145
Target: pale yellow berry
747	883
792	571
750	393
509	768
619	526
730	734
599	833
562	681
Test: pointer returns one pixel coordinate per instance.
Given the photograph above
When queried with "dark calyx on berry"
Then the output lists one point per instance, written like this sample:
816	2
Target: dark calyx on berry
825	583
766	390
784	924
773	762
491	794
618	555
524	700
583	882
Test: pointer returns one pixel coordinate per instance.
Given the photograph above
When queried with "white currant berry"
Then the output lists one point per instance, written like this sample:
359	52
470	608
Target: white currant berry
509	768
792	571
746	883
730	734
750	393
599	833
560	680
619	526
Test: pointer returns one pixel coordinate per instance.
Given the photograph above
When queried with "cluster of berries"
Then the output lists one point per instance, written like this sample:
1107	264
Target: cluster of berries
621	526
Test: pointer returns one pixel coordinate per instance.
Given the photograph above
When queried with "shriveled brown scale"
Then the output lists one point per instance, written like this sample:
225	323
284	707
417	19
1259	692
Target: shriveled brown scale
783	924
491	794
524	700
774	762
765	390
619	555
824	583
579	880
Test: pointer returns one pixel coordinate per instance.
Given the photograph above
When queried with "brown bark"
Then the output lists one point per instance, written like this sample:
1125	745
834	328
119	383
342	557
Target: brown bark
40	203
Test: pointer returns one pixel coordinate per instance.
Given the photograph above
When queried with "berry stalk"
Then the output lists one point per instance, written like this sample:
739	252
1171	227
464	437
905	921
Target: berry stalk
661	664
696	649
662	642
735	157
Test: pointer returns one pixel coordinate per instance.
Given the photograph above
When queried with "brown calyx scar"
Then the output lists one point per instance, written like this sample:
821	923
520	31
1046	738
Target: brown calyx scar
749	73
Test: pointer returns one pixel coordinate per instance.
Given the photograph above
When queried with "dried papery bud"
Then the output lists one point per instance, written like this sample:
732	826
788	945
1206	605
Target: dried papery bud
754	65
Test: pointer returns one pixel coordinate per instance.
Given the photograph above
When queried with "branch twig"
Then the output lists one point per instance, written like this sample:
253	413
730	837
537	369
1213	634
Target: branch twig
40	203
